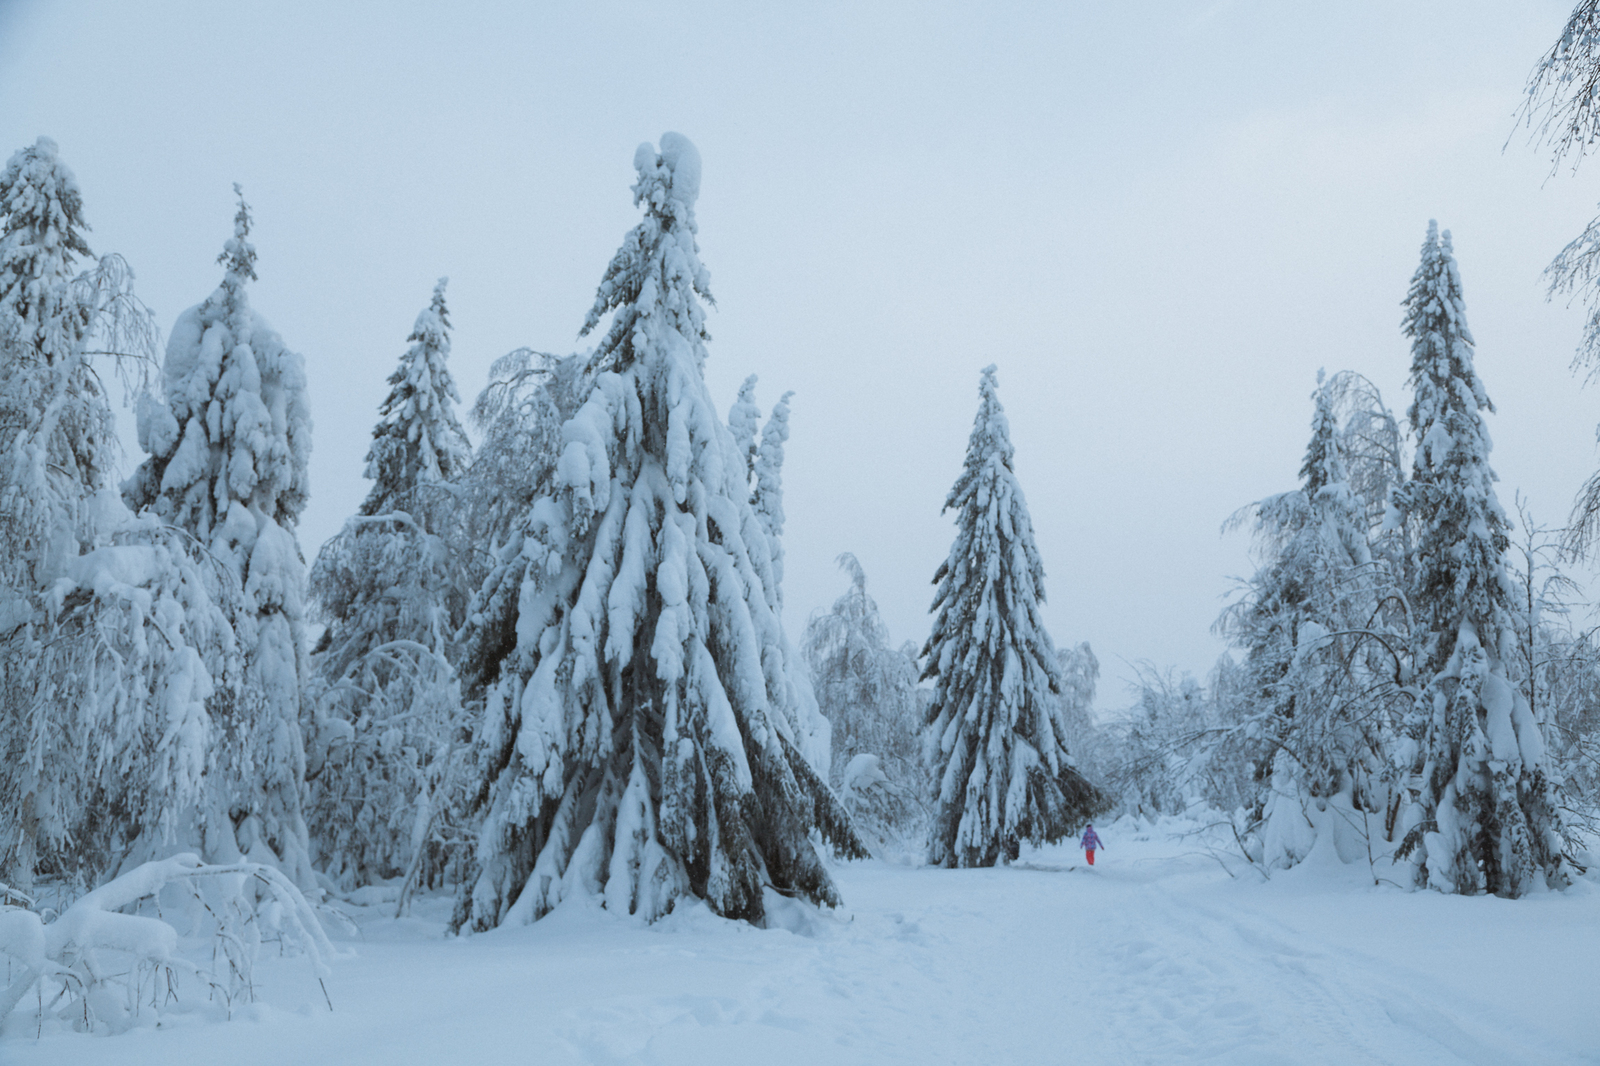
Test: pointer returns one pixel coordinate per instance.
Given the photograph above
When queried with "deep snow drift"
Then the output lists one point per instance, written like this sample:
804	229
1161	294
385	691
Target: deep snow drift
1156	955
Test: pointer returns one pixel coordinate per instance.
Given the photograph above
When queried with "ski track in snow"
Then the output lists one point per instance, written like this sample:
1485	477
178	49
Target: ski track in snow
1155	956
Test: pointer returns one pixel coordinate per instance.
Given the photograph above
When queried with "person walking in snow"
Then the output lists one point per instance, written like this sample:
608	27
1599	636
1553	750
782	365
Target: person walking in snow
1089	842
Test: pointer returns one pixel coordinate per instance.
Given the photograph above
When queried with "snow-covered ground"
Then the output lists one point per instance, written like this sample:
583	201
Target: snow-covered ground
1156	955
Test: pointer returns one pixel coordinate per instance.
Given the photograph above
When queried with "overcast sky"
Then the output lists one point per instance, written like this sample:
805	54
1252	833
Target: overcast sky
1159	219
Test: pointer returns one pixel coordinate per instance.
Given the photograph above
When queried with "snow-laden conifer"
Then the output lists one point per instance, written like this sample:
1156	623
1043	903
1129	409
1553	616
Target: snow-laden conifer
387	586
1483	816
228	446
993	733
1307	715
641	737
418	439
111	637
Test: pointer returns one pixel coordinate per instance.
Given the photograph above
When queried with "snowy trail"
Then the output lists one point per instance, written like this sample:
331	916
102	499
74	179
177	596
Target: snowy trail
1156	956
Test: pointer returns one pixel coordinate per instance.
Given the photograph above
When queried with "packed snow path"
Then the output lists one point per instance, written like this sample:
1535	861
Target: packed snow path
1156	955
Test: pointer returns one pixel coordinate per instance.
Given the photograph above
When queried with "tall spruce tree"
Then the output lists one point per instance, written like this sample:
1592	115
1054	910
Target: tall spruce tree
993	734
388	589
641	740
1483	816
227	464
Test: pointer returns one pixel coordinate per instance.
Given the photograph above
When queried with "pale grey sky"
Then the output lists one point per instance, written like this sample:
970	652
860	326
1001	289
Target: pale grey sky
1159	219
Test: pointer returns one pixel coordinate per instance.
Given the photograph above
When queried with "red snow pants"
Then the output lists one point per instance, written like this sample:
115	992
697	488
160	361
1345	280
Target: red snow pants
1089	852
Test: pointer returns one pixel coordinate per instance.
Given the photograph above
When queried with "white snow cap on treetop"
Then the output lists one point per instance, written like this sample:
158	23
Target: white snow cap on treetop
681	157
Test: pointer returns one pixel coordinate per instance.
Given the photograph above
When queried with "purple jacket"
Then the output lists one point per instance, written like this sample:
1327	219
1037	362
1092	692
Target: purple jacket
1090	839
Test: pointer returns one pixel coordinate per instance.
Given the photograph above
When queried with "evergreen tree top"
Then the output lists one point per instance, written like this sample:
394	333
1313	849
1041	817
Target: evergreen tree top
418	436
1324	465
41	233
655	282
1460	576
993	578
989	447
1442	371
238	254
236	417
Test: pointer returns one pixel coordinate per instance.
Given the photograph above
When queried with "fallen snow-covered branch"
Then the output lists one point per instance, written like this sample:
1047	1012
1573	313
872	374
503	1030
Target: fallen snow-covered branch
103	958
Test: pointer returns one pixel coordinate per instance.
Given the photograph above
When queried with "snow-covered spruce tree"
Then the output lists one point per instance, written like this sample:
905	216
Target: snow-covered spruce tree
109	628
1483	815
1307	718
867	688
387	586
227	464
993	735
640	740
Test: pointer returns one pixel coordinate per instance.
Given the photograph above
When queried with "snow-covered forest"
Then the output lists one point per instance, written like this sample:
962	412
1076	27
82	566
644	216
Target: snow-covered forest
539	726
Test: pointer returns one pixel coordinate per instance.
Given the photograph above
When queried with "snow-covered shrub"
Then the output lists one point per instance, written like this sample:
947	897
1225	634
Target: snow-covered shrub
642	728
104	963
994	735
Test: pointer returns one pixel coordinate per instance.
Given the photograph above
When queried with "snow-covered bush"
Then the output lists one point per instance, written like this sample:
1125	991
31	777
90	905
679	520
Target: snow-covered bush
104	963
994	735
642	734
1556	668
